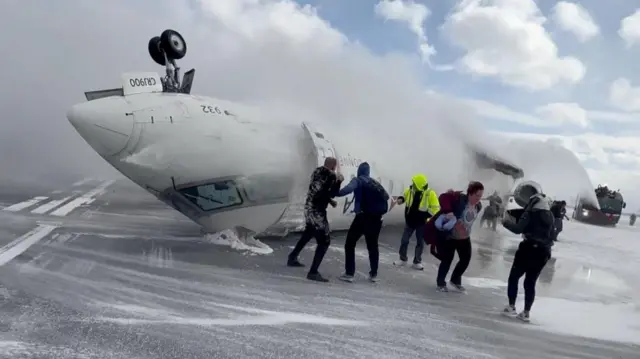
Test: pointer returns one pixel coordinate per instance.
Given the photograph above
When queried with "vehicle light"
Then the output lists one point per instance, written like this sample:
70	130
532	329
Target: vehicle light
585	212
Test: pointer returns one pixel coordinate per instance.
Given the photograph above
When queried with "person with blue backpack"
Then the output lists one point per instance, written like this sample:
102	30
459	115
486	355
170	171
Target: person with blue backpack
371	202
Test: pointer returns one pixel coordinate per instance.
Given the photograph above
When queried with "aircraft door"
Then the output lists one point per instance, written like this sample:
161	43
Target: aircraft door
323	148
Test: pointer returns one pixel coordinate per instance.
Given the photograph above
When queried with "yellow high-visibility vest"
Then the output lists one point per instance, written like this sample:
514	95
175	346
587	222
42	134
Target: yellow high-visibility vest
429	201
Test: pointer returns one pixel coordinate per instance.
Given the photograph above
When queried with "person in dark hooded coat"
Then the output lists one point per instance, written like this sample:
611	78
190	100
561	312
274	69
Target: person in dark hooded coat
559	210
537	226
323	187
371	202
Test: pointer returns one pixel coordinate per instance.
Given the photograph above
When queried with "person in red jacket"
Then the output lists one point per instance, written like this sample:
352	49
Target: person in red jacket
434	234
445	243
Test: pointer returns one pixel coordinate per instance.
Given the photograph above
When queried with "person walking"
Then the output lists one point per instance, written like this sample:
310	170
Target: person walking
492	212
421	203
324	185
371	202
465	208
559	210
537	228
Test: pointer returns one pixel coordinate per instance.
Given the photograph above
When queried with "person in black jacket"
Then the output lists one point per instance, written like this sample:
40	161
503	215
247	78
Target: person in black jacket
371	203
559	210
536	224
324	185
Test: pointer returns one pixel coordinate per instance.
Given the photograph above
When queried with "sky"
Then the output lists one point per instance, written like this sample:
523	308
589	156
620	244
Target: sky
561	72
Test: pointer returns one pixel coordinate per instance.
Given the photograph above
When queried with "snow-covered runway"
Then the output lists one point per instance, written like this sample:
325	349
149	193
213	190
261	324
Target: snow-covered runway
122	276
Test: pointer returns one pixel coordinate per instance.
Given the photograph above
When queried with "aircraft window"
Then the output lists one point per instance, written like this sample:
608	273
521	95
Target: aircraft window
260	188
213	196
319	135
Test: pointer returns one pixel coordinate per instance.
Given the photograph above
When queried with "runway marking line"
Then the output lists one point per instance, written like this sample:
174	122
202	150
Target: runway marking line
21	244
83	199
50	205
66	208
25	204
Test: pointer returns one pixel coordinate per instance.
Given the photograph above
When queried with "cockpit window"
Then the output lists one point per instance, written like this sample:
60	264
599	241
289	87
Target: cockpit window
267	187
213	196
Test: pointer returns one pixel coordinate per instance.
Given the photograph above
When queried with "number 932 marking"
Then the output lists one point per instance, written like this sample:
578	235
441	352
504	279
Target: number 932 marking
211	109
142	82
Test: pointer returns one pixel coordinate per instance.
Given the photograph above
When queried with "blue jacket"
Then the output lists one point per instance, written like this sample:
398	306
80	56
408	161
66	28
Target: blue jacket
445	224
377	198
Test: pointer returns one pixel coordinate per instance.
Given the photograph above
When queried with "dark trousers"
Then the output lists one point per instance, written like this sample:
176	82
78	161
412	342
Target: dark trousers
322	239
446	250
404	243
369	226
528	261
558	228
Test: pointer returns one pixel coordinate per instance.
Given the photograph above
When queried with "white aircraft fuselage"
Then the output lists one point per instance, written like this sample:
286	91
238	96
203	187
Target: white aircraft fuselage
205	158
209	162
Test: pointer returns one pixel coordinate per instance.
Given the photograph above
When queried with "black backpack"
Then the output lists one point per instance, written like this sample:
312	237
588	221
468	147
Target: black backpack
375	199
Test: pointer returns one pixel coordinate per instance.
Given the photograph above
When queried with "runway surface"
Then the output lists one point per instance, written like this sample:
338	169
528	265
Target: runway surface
101	269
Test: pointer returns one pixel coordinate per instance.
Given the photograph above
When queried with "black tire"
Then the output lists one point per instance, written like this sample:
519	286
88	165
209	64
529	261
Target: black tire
173	44
154	50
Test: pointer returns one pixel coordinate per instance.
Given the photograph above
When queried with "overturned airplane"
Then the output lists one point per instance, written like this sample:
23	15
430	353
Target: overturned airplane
200	178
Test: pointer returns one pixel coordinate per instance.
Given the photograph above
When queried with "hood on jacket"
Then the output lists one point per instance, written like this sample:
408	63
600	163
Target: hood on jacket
540	202
364	169
420	182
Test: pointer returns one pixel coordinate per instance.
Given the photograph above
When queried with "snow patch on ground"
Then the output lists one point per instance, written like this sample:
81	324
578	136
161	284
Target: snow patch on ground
595	277
10	347
613	322
231	239
488	283
16	349
140	315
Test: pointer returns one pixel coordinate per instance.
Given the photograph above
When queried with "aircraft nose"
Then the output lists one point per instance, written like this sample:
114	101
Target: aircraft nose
103	123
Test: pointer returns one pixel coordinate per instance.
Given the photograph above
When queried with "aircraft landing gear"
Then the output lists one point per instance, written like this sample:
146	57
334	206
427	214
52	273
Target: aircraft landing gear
173	44
156	52
165	50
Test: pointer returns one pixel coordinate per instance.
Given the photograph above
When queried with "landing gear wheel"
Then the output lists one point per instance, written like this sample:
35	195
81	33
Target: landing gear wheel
156	53
173	44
